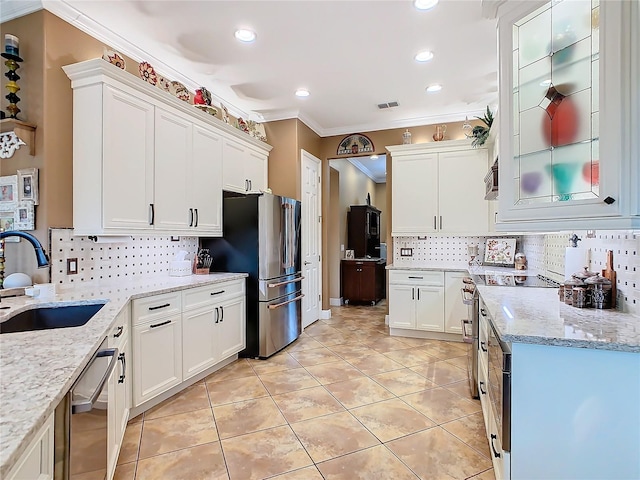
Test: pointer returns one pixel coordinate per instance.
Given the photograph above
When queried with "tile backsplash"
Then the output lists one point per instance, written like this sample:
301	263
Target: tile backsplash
545	254
138	256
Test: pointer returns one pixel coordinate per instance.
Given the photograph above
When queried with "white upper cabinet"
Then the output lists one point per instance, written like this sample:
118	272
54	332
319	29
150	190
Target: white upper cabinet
569	115
145	161
244	169
438	187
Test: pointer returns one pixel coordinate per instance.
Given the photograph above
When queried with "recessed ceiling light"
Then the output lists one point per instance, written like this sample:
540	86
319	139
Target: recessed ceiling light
374	157
425	4
302	92
423	56
245	35
434	88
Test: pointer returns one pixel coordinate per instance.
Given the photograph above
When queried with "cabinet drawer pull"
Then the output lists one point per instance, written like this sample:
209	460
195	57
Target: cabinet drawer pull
417	278
217	293
122	358
160	306
484	392
495	452
483	346
160	324
191	217
119	332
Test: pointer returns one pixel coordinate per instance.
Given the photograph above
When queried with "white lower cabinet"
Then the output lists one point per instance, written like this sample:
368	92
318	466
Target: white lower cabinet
36	463
416	300
157	357
119	389
213	325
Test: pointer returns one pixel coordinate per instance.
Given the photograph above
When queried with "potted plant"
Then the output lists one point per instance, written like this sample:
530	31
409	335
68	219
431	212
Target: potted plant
480	133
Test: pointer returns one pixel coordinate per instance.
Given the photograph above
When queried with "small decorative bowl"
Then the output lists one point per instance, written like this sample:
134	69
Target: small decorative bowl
207	109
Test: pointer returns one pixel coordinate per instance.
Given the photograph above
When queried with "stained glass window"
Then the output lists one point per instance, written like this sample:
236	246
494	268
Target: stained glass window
555	103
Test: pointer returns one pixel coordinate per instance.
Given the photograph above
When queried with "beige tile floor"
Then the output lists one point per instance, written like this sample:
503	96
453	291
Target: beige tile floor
345	401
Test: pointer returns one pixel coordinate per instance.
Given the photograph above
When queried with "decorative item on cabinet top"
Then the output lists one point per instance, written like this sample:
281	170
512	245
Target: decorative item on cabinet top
114	58
147	73
479	134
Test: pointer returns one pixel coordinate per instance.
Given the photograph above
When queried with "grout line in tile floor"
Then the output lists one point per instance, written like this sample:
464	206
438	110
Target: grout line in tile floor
451	421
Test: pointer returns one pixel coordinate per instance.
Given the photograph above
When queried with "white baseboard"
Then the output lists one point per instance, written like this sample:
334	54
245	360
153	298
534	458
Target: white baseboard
386	319
325	314
335	302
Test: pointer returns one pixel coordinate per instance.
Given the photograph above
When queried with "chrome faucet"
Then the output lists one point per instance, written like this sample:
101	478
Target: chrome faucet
41	257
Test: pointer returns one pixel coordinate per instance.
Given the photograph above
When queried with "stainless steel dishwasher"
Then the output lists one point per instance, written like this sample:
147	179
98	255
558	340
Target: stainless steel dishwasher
81	421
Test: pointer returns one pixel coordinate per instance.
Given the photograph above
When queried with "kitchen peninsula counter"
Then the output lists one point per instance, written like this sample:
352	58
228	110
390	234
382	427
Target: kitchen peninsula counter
37	368
536	316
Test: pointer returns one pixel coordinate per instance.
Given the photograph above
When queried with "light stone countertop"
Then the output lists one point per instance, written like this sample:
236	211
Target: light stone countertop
412	268
536	316
38	368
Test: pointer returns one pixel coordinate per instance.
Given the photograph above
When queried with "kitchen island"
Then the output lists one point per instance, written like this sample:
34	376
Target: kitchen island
575	386
37	368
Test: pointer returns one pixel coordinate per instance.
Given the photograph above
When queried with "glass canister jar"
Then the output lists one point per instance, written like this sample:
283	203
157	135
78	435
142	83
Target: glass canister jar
580	294
599	291
584	274
569	283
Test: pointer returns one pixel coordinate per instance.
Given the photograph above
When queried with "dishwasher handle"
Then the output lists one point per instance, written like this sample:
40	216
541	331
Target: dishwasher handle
87	405
466	338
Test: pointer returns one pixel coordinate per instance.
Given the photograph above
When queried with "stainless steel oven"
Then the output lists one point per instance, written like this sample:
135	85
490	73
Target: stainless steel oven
499	386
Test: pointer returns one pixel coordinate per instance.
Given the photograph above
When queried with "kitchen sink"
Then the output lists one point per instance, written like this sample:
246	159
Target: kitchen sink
50	317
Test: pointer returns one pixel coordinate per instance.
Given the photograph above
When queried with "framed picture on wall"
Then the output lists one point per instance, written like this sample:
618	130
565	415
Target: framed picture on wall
349	254
500	251
28	185
8	193
24	218
7	222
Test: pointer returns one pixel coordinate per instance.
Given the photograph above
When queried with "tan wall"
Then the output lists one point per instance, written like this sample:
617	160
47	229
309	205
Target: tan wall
284	160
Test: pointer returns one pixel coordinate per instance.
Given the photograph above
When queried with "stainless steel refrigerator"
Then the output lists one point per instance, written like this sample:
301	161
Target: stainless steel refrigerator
262	238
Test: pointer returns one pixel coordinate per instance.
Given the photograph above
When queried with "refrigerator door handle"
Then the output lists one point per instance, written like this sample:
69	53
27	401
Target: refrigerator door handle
278	305
279	284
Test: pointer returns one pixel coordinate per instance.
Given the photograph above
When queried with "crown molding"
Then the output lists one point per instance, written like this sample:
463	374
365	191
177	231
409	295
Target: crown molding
364	169
14	9
69	14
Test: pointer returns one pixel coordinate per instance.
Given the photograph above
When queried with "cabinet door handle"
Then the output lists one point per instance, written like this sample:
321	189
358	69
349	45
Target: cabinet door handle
152	214
483	312
160	324
418	293
196	210
435	225
217	293
246	184
221	314
484	392
217	315
158	307
191	217
413	293
124	368
440	222
483	346
119	332
495	452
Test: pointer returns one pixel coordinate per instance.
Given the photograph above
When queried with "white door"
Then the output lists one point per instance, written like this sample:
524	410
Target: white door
430	308
402	306
230	329
205	187
311	239
415	198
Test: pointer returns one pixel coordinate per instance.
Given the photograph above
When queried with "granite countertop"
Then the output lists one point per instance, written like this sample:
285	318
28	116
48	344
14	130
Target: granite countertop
365	259
38	368
536	316
438	268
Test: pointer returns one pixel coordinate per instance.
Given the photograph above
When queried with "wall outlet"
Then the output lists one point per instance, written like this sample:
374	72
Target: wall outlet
406	252
72	266
175	238
342	248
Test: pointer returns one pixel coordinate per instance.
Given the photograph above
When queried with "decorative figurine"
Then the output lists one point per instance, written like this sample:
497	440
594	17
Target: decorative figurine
11	53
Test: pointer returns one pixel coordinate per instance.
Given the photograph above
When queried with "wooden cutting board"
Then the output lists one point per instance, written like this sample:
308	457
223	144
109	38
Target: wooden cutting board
610	273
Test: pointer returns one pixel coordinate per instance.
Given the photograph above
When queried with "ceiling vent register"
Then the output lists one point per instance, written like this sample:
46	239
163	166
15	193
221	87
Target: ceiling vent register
382	106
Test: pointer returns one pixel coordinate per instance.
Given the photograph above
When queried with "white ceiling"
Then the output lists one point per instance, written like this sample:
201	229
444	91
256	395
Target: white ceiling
351	55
